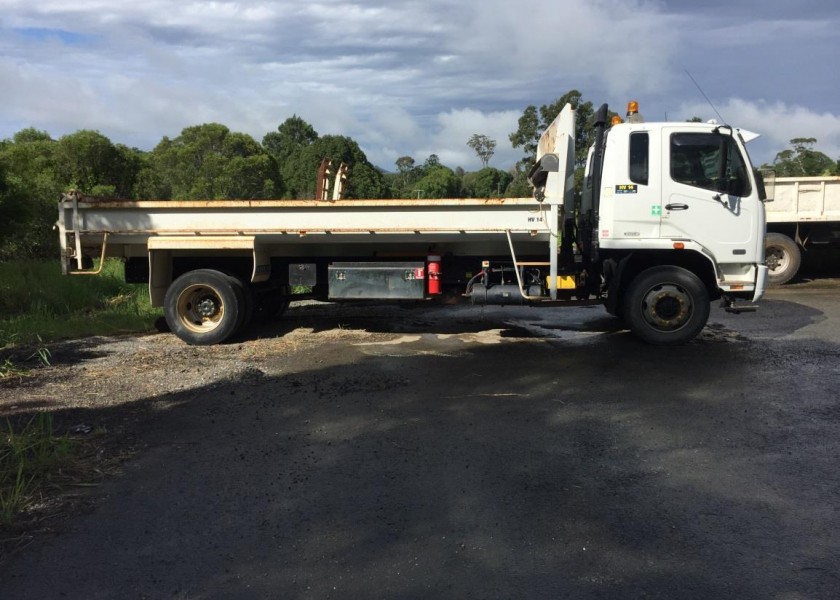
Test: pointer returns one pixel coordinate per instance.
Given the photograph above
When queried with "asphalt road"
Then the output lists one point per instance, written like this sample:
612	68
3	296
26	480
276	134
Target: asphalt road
469	453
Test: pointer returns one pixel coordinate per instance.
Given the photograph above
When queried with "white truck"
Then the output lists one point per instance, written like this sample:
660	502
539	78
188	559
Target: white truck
804	213
672	218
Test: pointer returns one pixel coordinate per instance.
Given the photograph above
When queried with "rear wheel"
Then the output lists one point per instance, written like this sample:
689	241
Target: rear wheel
271	303
666	306
782	257
247	304
202	307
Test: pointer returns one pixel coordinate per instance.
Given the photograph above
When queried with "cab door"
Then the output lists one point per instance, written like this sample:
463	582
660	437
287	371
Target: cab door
707	195
631	192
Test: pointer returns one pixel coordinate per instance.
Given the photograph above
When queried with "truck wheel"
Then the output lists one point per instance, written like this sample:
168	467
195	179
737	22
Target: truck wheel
270	305
782	257
247	303
203	307
275	309
666	306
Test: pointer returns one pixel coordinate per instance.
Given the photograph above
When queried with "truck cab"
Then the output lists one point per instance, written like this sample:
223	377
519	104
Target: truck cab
683	186
673	208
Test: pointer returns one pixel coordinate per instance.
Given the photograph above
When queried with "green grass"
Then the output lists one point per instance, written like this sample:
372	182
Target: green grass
30	455
39	305
9	369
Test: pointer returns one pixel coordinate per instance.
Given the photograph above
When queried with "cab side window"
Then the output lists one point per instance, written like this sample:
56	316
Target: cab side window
710	161
639	161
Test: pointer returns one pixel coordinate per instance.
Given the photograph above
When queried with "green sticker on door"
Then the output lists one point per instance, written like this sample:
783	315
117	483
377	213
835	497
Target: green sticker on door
656	210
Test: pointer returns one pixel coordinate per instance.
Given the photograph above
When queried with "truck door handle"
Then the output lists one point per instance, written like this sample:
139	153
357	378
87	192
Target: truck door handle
676	207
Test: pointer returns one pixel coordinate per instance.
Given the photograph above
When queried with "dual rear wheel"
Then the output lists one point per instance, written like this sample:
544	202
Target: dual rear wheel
205	306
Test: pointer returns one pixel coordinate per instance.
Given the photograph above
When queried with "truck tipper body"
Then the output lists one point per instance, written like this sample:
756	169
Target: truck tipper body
804	212
671	218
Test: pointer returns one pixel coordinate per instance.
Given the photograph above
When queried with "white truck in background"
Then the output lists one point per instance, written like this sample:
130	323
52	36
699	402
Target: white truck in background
802	212
672	218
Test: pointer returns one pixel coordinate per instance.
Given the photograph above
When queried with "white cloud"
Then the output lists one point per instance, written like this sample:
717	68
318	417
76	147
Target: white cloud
456	127
623	46
778	123
415	77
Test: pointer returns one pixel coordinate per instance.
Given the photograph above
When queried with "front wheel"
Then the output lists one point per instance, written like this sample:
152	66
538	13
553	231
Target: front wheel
202	307
666	306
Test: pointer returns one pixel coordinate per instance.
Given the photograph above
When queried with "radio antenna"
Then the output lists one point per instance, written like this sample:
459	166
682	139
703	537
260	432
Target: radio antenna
722	120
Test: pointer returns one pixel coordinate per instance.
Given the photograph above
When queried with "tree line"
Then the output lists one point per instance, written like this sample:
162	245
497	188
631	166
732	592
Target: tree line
207	161
210	161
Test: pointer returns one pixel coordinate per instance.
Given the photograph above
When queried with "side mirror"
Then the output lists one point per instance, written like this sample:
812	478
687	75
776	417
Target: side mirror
765	179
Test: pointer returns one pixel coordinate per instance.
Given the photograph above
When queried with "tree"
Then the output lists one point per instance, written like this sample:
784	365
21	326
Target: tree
405	167
298	150
89	162
301	169
404	164
532	123
30	134
438	182
15	211
209	161
432	162
487	183
519	187
31	189
527	135
483	146
802	160
291	135
151	183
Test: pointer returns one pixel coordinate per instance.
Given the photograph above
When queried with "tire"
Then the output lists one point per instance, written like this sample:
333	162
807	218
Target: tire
611	276
161	326
202	307
782	257
282	306
270	305
666	306
247	303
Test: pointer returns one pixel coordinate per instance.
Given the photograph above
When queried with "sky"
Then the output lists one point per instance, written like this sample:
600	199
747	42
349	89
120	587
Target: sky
416	77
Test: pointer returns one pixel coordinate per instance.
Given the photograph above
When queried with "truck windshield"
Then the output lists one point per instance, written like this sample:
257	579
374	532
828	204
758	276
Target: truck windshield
710	161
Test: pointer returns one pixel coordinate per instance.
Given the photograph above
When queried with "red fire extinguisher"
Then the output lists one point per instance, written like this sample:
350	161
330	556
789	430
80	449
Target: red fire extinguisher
433	274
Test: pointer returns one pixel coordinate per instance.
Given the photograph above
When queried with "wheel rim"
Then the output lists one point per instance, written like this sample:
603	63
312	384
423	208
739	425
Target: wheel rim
667	307
200	308
776	259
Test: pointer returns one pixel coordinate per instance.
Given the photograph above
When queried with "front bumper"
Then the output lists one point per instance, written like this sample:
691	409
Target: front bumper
760	282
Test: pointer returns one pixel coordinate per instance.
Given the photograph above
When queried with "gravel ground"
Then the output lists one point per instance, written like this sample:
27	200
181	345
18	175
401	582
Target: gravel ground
452	452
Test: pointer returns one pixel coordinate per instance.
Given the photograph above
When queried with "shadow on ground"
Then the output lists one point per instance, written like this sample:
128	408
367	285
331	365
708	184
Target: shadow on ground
521	469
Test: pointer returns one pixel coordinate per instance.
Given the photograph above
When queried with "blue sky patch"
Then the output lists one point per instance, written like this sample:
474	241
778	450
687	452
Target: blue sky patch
41	33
